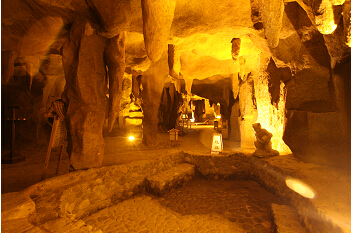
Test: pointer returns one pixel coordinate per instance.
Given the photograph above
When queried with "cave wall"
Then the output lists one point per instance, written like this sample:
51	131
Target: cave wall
289	69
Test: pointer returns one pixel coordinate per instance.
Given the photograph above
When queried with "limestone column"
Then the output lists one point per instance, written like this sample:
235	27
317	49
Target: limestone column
115	60
83	61
152	88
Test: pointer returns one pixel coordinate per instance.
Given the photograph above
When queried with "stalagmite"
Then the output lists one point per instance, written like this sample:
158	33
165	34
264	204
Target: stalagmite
115	60
157	20
272	13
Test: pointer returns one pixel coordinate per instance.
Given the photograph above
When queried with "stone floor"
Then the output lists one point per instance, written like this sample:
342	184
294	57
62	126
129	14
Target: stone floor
332	186
198	206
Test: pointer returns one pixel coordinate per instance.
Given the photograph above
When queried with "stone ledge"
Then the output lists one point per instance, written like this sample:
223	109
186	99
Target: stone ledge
19	225
286	219
84	192
65	225
164	181
16	205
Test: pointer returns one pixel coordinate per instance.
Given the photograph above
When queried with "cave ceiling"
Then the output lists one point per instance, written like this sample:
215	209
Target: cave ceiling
201	31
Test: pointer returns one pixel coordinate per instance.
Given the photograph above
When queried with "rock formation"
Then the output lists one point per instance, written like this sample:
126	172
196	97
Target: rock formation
285	64
85	71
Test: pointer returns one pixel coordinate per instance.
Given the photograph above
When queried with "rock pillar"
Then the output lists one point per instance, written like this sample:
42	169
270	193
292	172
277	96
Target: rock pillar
248	109
83	61
115	60
152	84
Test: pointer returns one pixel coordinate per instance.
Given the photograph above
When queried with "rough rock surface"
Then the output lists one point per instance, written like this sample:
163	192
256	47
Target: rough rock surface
86	88
16	205
115	60
298	46
152	83
162	183
88	195
285	219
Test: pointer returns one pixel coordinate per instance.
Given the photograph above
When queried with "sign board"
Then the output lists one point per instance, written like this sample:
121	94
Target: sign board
216	145
60	135
57	138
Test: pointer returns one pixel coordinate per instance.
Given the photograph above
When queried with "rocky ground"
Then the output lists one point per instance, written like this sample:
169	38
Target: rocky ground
200	205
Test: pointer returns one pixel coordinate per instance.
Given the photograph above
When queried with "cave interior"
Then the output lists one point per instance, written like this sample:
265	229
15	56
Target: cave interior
109	70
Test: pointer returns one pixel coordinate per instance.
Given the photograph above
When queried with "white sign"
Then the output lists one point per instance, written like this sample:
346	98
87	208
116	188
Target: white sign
216	145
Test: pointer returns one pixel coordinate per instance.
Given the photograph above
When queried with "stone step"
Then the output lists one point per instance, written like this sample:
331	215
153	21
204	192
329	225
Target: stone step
16	205
286	219
164	181
65	225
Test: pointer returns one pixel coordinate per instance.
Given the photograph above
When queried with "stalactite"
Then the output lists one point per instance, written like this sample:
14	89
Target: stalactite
157	19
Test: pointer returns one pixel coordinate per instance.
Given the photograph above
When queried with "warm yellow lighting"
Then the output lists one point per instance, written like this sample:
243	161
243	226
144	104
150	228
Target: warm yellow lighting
193	119
300	188
218	117
270	117
131	138
325	19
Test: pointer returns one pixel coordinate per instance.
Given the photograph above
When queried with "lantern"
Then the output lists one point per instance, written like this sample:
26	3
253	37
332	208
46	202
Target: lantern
173	133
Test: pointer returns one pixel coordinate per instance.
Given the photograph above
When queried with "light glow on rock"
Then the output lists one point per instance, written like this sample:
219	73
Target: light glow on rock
270	117
300	188
324	18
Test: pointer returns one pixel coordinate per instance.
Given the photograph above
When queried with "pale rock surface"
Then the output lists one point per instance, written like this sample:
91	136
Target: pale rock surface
16	205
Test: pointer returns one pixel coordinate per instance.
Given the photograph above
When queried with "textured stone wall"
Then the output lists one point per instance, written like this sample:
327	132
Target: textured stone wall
231	166
272	178
81	193
85	192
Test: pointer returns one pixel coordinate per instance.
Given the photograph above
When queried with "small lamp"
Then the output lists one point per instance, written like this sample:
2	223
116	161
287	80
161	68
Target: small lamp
173	133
